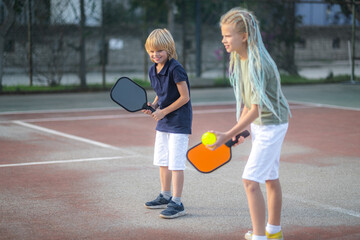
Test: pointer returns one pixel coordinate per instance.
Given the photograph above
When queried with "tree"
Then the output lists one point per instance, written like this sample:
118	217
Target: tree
152	14
11	8
278	26
346	7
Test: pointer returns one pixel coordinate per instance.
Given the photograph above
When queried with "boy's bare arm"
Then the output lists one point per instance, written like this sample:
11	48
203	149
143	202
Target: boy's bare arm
155	102
182	100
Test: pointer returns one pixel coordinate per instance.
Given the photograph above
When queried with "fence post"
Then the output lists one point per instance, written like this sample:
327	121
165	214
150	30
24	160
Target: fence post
352	80
30	62
103	45
82	67
198	38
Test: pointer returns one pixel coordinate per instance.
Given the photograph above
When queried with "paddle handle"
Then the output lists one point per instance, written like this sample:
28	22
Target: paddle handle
231	142
145	106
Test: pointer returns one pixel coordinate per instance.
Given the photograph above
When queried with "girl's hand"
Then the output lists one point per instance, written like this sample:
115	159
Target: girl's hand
240	140
220	140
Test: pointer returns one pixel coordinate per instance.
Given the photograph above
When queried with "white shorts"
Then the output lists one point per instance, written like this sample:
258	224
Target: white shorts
170	150
263	162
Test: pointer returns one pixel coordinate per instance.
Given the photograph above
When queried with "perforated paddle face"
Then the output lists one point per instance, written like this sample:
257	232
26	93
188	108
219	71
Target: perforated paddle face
129	95
205	160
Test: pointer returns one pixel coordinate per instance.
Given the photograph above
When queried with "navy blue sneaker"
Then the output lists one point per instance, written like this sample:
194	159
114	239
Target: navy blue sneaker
173	210
159	202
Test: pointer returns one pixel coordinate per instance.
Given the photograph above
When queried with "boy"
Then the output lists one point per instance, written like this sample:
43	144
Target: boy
173	113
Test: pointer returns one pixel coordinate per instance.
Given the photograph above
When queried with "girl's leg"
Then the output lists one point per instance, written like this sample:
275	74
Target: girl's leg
178	182
274	201
256	206
165	179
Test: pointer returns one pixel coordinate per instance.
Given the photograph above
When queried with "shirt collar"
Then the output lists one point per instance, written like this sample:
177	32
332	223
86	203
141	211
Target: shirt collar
165	69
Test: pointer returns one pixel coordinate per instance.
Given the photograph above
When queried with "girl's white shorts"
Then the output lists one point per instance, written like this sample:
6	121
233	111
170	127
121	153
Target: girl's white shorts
170	150
263	162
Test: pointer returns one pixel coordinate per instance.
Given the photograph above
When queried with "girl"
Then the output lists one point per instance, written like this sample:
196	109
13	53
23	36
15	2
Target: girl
173	113
256	83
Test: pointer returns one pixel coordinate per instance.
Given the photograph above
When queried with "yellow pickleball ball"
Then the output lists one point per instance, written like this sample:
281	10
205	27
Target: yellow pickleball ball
208	138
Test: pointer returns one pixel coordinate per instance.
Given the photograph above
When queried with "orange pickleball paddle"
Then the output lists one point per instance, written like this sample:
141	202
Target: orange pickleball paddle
206	161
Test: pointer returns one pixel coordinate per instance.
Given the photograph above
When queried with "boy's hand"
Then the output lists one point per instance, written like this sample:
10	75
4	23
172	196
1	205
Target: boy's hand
146	111
158	114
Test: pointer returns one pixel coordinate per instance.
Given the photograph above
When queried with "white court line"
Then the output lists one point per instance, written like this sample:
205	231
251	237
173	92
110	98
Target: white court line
327	207
64	161
60	110
310	202
208	111
319	105
102	109
80	139
124	116
194	104
97	117
324	206
82	118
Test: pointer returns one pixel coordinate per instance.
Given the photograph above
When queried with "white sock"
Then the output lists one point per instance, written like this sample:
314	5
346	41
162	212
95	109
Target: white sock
256	237
166	194
272	229
177	200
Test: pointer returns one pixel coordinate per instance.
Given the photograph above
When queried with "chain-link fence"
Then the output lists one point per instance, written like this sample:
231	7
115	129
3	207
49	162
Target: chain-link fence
53	42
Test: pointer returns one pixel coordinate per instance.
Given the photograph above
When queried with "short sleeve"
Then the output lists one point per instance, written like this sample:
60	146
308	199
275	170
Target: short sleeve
179	74
255	97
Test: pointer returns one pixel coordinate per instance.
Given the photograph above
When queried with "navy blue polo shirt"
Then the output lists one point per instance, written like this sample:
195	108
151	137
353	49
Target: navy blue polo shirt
164	85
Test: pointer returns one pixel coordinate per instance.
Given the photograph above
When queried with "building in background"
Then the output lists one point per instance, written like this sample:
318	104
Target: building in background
321	14
325	34
324	37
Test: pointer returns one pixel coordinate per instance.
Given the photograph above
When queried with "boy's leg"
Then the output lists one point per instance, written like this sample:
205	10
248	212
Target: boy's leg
165	196
165	179
178	182
161	160
256	206
178	144
274	201
175	208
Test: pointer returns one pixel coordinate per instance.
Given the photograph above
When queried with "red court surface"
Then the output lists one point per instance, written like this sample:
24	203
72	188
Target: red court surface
85	174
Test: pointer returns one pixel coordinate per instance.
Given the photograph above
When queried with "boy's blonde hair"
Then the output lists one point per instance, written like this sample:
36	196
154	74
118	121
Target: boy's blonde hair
161	39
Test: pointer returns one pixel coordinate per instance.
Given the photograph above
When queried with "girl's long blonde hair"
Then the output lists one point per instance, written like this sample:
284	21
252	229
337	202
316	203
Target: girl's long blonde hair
161	39
260	62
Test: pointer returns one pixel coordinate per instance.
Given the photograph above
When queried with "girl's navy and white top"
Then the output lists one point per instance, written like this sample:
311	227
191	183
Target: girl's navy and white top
164	85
